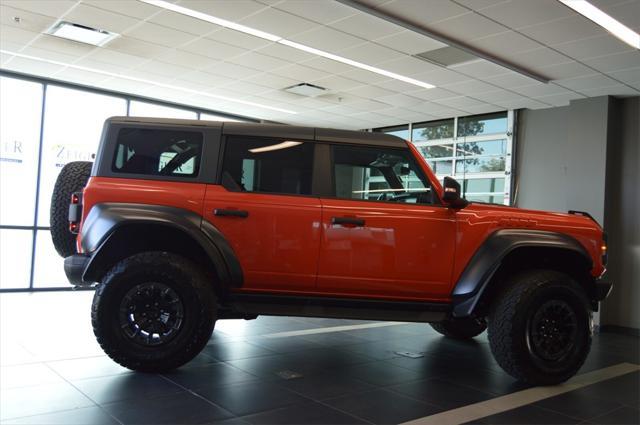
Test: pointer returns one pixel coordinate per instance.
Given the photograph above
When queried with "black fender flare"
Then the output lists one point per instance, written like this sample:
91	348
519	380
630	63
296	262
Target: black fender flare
106	219
489	256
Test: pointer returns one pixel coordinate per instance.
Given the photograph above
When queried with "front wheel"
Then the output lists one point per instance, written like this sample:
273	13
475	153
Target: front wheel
540	327
153	312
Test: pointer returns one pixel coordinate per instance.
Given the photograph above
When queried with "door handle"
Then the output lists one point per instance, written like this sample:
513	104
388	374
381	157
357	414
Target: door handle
350	221
230	213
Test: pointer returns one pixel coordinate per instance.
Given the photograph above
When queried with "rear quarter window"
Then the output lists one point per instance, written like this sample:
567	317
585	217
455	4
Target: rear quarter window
155	152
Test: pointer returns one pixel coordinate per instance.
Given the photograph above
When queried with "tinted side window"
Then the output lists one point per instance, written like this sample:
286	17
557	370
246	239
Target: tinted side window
254	164
379	174
158	152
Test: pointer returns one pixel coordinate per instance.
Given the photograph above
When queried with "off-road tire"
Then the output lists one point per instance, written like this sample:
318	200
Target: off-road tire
512	327
181	276
72	178
460	328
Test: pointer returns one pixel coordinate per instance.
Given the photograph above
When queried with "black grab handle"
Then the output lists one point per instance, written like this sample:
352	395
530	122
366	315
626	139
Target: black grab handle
348	221
230	213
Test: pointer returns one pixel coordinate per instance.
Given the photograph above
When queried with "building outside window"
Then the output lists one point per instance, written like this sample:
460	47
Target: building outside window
475	150
43	126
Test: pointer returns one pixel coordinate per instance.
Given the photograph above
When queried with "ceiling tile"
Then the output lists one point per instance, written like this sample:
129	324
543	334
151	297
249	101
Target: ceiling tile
287	53
565	70
183	23
617	90
98	18
522	13
480	4
370	53
459	102
135	47
482	109
441	77
271	80
626	12
233	10
524	103
207	79
615	62
498	96
505	44
480	69
539	58
238	39
134	9
163	68
327	65
593	47
563	30
539	90
587	82
423	11
49	54
16	36
365	76
470	87
318	11
408	65
186	59
28	21
561	99
232	70
366	26
258	61
370	91
400	99
80	77
90	62
433	94
467	27
114	57
510	80
300	72
34	67
158	34
328	39
278	22
409	42
246	87
336	83
53	8
628	76
61	45
212	49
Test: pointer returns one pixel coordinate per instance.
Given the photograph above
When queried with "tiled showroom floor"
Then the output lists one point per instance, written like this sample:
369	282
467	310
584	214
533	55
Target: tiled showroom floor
263	371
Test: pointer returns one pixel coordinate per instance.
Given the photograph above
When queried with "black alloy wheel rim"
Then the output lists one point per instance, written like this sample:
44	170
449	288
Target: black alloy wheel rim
151	314
552	331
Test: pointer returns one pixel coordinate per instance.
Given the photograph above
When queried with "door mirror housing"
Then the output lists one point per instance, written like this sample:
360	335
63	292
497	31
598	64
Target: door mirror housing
452	194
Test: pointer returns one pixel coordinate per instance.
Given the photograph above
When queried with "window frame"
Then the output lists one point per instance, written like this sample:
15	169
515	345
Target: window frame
330	176
315	175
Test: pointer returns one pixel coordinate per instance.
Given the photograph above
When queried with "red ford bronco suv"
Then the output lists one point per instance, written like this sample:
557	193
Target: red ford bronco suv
181	223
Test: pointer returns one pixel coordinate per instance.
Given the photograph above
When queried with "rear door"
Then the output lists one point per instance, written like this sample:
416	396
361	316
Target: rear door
264	208
385	233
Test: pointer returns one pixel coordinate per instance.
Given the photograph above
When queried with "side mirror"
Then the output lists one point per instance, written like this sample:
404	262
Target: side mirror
452	194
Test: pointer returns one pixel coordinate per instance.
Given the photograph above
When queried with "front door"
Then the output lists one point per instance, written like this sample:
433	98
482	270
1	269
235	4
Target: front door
384	233
265	210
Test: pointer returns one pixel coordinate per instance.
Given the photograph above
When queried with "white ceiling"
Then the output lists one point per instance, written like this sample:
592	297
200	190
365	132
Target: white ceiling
159	46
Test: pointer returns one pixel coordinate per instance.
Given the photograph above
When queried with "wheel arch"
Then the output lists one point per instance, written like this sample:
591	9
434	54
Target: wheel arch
509	251
112	232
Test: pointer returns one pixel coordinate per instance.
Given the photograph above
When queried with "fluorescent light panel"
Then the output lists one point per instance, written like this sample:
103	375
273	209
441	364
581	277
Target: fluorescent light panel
607	22
81	34
271	37
142	80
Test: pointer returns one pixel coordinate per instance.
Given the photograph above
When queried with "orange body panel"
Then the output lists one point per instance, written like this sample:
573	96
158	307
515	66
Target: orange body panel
287	244
277	244
403	250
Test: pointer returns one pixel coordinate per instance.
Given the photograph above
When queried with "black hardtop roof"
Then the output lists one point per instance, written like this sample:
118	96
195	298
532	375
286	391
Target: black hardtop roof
274	130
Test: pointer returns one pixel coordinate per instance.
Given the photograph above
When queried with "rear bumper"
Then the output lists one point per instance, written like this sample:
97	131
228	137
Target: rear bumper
602	290
74	267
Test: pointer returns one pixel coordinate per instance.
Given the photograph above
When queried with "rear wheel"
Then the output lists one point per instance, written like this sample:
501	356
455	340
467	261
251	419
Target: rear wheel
460	328
540	327
153	312
72	178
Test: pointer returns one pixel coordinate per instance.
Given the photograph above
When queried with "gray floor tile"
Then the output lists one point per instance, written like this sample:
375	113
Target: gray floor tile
110	389
83	416
30	401
306	413
622	415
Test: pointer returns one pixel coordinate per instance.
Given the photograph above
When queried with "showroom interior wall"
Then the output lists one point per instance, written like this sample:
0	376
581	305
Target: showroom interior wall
563	155
46	124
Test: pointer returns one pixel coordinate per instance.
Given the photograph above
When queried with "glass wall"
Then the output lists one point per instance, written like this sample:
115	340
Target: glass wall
476	150
43	126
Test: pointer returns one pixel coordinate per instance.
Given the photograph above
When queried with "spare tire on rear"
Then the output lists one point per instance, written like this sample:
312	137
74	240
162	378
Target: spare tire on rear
72	178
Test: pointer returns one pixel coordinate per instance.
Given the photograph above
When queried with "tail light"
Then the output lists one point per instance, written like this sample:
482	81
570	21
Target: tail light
75	212
604	249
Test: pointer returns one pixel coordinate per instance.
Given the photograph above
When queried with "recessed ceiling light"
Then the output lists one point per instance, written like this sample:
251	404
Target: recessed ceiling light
277	39
142	80
81	33
607	22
